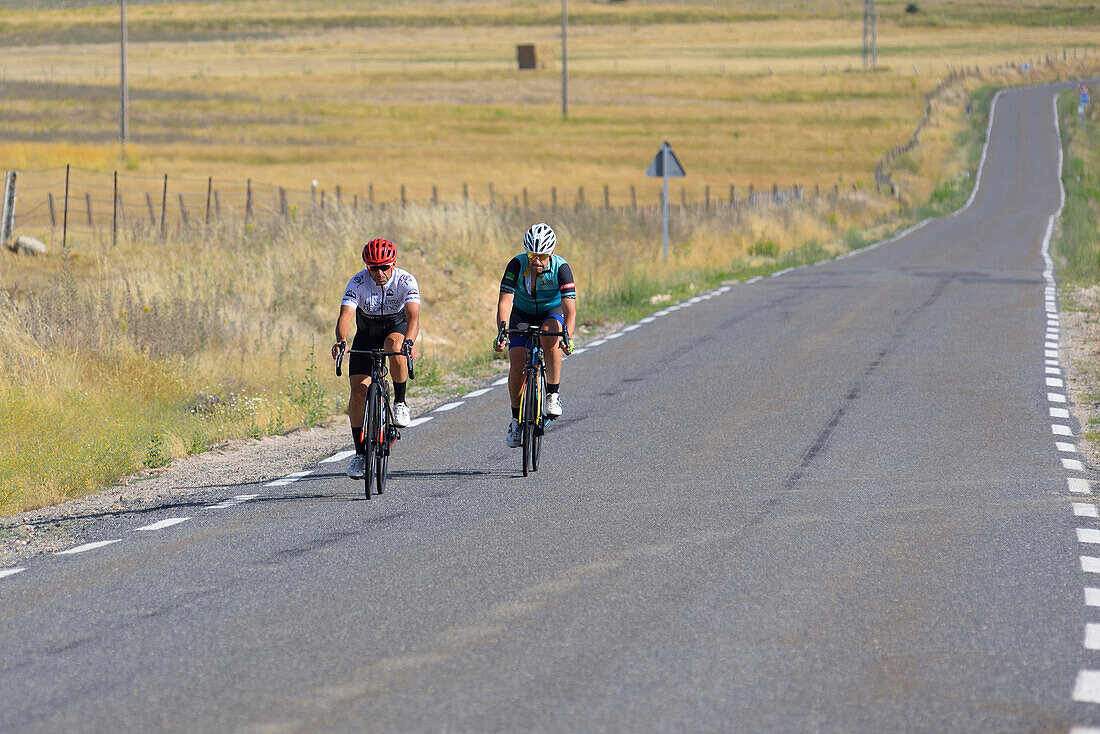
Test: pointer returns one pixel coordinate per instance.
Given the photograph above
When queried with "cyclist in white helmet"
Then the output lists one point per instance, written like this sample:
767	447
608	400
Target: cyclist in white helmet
537	288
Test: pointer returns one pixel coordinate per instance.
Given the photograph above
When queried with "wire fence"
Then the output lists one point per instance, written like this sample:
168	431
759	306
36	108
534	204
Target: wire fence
60	203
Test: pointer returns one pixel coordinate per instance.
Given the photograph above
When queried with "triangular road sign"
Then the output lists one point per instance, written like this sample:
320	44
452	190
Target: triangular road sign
657	167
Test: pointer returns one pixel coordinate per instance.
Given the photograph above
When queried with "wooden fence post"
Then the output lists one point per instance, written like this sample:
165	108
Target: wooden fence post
114	213
209	190
164	208
465	194
492	195
248	202
217	205
283	208
370	193
606	197
149	204
65	215
53	214
733	196
339	196
580	198
183	212
633	199
404	201
435	195
554	199
88	206
706	199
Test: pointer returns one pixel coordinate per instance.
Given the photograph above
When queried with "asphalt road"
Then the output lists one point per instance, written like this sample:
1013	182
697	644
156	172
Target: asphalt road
825	501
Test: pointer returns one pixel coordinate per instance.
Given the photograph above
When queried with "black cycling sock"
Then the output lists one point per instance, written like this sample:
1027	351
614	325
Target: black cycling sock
357	437
515	412
399	391
552	387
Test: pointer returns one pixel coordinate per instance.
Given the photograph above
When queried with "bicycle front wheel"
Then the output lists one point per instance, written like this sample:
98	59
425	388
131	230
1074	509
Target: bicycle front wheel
371	425
383	462
529	411
536	432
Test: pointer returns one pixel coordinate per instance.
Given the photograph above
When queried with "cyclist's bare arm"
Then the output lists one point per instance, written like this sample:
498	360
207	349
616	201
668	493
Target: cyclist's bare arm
569	310
504	310
343	328
412	316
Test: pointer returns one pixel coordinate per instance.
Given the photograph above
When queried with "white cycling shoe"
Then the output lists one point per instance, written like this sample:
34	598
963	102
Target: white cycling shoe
515	435
357	469
553	405
402	416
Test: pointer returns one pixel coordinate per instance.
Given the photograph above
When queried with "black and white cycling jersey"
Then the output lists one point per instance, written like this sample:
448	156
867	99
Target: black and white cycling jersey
374	301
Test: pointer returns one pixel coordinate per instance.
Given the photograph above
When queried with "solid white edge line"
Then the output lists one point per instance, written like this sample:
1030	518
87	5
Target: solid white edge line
11	572
632	327
87	547
163	524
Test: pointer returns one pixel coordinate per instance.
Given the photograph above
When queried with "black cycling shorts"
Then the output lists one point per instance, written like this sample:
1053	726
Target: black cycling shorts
371	333
521	319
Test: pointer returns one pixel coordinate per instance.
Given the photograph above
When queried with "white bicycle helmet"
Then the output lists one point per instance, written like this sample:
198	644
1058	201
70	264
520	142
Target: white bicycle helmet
540	239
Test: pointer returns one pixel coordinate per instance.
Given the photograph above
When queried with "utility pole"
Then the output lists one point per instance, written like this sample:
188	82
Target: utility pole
564	62
123	96
870	34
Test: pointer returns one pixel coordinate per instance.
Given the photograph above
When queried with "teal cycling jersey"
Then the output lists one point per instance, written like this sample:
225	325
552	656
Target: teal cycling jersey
538	295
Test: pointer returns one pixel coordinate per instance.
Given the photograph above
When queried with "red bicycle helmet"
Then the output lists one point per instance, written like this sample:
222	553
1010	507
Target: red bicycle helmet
379	252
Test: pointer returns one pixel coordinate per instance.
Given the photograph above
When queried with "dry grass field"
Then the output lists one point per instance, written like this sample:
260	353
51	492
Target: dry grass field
163	347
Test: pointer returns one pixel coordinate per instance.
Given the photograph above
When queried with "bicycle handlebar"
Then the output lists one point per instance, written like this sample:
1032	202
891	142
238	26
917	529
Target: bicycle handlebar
406	352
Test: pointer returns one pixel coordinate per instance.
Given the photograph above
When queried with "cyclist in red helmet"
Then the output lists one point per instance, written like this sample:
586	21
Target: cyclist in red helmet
384	303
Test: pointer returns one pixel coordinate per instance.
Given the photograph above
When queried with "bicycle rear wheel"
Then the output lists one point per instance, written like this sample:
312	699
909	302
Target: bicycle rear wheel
383	462
370	438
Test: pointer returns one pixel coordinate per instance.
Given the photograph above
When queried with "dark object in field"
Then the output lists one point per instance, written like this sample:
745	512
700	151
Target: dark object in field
912	8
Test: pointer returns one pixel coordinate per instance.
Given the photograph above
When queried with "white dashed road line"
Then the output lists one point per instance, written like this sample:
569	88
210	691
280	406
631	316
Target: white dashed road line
86	547
1087	688
418	421
1082	509
448	406
11	572
1078	485
478	393
163	524
1088	535
340	456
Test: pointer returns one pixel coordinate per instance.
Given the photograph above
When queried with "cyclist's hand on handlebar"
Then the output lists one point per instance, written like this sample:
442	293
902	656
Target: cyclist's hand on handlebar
413	351
567	345
337	348
498	343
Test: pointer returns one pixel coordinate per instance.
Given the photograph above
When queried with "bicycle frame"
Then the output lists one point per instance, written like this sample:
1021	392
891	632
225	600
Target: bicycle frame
378	431
533	392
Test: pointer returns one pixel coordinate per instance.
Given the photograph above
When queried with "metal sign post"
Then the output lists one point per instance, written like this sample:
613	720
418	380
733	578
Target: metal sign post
1083	99
665	164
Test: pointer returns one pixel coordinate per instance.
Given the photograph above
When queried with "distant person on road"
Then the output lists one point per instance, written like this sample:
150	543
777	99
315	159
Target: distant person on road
384	303
537	288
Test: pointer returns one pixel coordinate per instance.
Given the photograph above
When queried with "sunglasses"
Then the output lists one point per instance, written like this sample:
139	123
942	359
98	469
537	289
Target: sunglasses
379	268
539	258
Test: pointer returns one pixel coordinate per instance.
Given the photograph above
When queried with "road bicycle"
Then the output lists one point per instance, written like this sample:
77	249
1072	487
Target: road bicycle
532	396
379	432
